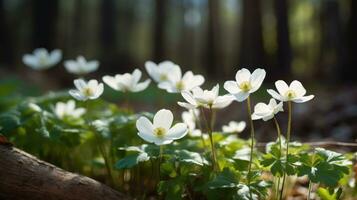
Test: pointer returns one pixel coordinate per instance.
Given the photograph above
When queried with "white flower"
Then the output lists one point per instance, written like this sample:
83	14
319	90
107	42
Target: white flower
160	131
41	59
267	112
127	82
190	118
34	107
295	92
206	98
86	90
234	127
245	83
81	66
160	72
177	83
68	109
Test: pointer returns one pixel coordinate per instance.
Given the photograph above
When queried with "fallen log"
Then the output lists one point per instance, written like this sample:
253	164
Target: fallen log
23	176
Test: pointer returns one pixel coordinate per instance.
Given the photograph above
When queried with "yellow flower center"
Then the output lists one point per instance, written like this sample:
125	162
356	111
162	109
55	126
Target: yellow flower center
163	77
245	86
290	94
88	92
159	132
180	85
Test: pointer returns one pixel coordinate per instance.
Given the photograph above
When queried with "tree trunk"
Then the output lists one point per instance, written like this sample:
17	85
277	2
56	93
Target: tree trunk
283	40
44	23
212	48
348	72
22	176
6	46
252	49
158	34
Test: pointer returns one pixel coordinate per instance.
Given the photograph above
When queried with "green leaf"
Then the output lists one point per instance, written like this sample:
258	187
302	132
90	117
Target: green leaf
172	189
190	157
325	194
225	179
131	160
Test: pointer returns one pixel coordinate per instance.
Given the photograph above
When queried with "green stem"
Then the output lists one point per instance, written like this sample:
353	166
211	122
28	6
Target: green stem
310	188
287	146
280	149
251	145
160	160
209	125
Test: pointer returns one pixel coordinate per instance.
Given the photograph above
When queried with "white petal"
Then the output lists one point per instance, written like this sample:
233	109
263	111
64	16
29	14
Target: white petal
186	105
262	109
268	117
188	97
256	117
92	66
152	70
275	95
163	118
93	84
257	79
159	141
168	86
178	131
136	75
231	87
223	101
99	91
281	86
55	56
30	61
303	99
145	128
111	82
297	87
141	86
77	95
215	90
80	84
242	75
241	96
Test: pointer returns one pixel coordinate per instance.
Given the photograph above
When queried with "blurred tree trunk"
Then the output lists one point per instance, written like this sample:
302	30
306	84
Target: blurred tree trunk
159	30
44	23
6	49
283	40
212	49
108	34
349	71
331	57
252	49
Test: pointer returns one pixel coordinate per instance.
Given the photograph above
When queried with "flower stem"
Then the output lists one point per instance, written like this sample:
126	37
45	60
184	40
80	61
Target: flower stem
310	188
209	125
287	146
160	160
280	149
251	145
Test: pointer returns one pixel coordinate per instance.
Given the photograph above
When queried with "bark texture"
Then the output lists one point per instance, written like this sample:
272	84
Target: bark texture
22	176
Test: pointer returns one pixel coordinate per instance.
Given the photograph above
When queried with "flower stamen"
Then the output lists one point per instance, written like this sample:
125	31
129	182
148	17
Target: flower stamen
159	132
245	86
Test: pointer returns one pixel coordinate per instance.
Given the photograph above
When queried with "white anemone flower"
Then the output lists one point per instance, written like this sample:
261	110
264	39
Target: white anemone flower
81	66
234	127
206	98
86	90
267	111
160	72
160	131
245	83
177	83
127	82
68	109
294	92
41	59
190	118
